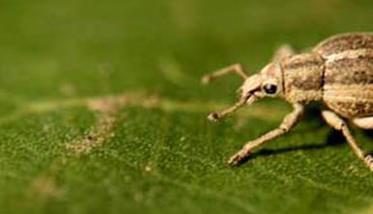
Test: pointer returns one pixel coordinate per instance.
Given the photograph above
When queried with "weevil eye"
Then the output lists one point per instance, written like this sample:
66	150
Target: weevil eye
270	88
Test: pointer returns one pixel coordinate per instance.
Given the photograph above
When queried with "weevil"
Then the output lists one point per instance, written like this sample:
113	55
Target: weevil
337	72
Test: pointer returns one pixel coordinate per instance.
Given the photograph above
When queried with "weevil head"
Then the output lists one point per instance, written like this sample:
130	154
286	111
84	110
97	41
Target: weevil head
267	83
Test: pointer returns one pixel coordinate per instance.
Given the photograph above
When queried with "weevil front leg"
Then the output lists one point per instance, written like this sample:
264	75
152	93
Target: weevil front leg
339	124
236	69
287	124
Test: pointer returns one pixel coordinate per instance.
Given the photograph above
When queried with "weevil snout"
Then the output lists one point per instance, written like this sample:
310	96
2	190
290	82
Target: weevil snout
251	88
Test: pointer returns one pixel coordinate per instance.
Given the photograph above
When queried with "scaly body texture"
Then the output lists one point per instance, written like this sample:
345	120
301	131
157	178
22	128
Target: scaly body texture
337	72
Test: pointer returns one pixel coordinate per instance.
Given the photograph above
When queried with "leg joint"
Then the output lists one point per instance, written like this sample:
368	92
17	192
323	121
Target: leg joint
284	128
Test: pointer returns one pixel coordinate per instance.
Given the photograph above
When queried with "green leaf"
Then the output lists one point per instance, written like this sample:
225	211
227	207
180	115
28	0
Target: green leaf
101	109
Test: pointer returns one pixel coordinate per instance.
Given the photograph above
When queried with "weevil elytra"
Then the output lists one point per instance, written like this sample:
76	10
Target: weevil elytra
338	72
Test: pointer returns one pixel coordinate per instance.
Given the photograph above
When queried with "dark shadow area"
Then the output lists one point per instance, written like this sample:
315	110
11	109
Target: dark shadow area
312	116
368	133
334	138
313	112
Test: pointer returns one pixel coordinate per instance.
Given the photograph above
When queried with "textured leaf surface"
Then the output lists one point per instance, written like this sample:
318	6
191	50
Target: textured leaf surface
101	110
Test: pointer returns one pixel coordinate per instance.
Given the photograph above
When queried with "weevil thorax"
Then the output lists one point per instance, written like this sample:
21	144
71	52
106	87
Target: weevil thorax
303	78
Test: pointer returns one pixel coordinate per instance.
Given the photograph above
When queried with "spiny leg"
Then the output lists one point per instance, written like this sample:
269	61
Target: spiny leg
282	52
339	124
236	69
287	124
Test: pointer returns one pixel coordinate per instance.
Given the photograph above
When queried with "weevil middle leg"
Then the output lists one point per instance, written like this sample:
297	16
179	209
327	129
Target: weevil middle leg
287	124
339	124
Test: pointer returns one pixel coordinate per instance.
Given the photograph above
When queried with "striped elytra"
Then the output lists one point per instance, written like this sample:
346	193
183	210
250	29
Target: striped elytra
339	72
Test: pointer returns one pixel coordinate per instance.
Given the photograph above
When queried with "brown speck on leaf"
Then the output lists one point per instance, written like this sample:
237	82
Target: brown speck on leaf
101	133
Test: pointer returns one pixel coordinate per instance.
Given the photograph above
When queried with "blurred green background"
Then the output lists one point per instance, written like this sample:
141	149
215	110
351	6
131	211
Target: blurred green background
54	55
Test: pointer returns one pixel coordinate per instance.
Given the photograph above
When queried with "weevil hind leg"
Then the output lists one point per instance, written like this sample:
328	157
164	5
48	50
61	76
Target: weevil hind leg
282	52
339	124
363	122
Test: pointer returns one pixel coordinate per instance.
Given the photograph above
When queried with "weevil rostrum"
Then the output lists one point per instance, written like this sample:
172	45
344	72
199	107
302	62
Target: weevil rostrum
338	72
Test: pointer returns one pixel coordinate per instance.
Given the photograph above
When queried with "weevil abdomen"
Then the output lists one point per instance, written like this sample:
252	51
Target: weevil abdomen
348	74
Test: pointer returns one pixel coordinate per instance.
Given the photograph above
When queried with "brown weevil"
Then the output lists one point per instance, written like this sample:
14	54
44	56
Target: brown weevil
338	73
